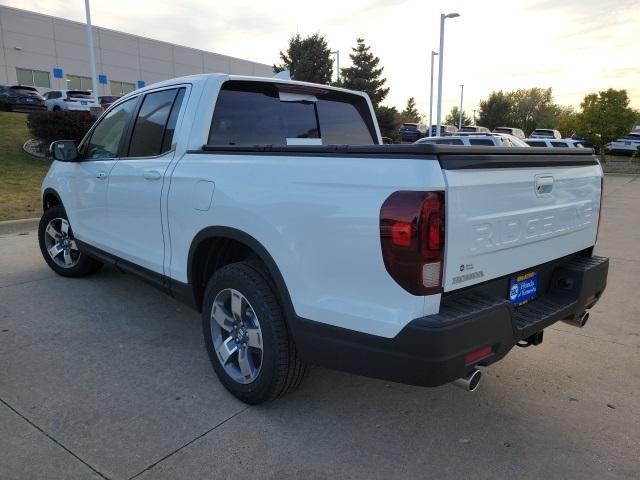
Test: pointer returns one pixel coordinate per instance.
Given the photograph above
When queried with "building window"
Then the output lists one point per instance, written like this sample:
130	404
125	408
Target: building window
33	78
76	82
121	88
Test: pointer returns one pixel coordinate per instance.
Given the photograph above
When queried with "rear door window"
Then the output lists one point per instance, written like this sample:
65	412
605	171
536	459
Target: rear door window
536	144
252	113
152	133
559	144
450	141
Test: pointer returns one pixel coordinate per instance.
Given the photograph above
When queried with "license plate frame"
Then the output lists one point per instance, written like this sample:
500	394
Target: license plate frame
523	288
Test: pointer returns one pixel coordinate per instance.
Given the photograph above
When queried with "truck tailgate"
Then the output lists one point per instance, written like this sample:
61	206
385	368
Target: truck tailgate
508	213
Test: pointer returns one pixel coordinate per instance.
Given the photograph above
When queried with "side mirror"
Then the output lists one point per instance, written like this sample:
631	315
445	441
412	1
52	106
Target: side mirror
64	150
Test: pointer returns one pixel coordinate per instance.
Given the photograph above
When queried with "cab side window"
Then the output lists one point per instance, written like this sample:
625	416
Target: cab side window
155	124
107	135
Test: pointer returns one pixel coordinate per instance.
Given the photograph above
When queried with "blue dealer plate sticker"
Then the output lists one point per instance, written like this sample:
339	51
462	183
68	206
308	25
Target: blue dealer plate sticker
523	288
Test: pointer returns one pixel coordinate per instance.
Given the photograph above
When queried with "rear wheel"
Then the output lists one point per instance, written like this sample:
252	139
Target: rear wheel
246	335
59	247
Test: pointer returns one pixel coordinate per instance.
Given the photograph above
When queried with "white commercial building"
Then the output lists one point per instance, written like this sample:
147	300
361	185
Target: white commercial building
51	53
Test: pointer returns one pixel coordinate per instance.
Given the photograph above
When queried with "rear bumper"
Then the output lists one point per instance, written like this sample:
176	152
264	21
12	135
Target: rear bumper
431	350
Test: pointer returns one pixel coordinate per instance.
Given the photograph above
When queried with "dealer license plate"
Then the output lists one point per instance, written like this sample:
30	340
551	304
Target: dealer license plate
523	288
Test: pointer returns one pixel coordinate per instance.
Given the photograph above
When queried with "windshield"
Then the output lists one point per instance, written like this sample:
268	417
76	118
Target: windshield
24	91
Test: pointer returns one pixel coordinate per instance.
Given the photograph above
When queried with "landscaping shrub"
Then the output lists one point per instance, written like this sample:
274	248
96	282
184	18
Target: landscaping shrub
60	125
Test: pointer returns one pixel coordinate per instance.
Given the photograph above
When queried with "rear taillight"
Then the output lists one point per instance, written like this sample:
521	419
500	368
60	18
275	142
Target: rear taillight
600	207
412	239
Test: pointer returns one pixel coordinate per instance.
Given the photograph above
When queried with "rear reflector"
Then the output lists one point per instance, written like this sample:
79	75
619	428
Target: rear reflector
478	355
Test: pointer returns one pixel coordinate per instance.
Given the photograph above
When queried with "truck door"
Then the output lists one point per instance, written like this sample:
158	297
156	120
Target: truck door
137	181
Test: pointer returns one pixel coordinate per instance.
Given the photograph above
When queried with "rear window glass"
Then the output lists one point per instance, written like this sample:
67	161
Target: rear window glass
559	144
469	129
251	113
78	94
481	141
24	91
536	144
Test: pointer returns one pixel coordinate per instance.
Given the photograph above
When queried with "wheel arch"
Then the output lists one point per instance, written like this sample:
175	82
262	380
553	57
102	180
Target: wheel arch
50	198
237	246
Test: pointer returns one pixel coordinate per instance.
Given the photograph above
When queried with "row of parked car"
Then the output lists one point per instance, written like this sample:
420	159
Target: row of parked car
22	98
478	135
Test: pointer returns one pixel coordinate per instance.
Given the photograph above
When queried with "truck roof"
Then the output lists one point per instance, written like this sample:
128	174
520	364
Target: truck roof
202	77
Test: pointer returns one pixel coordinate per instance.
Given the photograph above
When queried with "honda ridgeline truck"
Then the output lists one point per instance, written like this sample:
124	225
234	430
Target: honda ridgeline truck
272	207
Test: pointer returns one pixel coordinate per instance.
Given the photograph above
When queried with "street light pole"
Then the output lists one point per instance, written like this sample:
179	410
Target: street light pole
92	60
474	117
433	54
337	53
460	117
443	17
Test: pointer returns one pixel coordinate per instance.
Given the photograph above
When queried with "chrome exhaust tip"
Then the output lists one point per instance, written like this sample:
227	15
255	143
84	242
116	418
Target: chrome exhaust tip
470	381
579	321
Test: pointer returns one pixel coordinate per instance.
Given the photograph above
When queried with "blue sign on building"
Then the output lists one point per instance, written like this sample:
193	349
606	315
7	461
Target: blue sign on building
58	73
102	79
140	83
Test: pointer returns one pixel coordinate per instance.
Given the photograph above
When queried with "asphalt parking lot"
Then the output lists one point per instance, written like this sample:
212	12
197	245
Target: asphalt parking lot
106	377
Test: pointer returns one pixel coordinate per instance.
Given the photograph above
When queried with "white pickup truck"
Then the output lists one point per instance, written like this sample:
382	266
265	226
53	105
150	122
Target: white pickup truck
272	207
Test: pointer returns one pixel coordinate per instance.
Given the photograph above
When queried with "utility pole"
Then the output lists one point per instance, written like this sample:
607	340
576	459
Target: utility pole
433	54
443	17
92	60
337	54
460	117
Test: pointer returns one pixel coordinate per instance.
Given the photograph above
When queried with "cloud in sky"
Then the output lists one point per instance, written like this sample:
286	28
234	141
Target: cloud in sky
574	46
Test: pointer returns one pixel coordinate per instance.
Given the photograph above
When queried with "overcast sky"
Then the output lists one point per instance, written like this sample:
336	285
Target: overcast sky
574	46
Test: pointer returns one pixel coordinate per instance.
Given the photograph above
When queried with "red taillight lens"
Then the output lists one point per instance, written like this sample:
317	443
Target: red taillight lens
412	239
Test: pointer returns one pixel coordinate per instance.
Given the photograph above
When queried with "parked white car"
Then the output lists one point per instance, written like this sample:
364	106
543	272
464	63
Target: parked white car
70	100
627	145
516	132
474	129
554	143
271	207
476	139
545	133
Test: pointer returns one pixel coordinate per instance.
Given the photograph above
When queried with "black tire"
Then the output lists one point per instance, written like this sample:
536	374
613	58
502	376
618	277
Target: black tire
82	264
281	369
56	108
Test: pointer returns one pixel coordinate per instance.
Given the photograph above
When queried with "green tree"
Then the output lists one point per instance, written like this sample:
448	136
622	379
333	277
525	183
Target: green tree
567	121
533	108
365	75
410	114
308	59
495	111
606	116
389	121
454	117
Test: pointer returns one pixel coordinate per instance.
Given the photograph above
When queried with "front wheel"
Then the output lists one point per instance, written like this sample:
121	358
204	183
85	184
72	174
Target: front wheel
59	247
246	335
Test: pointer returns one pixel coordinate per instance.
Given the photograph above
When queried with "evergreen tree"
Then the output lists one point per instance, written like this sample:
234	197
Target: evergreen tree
389	122
365	75
308	59
454	117
410	113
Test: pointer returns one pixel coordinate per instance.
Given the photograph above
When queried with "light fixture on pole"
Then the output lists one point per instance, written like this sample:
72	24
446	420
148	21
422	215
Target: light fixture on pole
337	53
92	60
433	54
443	17
460	116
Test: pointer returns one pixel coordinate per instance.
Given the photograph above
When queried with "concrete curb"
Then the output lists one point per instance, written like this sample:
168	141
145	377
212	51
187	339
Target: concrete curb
18	226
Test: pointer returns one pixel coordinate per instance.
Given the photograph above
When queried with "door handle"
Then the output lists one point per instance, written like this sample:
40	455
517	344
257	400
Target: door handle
151	175
101	175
